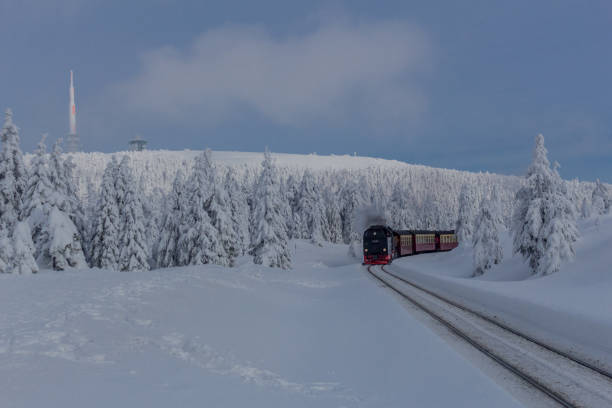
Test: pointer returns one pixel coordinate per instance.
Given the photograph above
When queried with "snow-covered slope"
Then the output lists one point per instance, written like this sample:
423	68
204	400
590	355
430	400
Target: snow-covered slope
569	309
158	167
322	335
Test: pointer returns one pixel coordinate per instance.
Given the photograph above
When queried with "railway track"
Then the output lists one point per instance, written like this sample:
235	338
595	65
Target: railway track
567	381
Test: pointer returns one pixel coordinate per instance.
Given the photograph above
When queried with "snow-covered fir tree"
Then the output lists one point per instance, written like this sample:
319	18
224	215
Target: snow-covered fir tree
167	253
13	173
17	255
310	209
333	220
152	209
104	244
269	241
485	239
350	201
239	210
198	242
468	210
63	249
544	222
6	251
600	199
23	249
39	190
133	247
585	208
496	209
56	239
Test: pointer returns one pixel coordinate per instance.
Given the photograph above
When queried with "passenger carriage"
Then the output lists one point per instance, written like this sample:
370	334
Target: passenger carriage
381	244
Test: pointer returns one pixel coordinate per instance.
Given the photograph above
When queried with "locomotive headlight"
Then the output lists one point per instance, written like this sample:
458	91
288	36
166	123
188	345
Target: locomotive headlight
365	250
384	249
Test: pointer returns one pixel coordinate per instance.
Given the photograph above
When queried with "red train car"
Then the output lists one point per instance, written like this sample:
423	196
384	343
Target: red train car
446	240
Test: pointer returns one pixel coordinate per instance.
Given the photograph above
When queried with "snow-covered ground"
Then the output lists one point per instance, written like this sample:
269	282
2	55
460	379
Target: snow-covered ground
322	334
570	309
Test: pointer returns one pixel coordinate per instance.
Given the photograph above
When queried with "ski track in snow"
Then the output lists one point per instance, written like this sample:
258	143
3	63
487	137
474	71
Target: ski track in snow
51	333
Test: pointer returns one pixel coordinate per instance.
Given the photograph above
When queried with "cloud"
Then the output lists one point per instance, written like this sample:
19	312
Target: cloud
339	71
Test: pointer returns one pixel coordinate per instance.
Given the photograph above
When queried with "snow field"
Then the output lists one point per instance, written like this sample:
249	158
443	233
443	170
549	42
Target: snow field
569	310
322	334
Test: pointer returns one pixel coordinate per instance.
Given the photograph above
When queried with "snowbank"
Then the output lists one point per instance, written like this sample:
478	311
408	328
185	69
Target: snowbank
570	309
323	334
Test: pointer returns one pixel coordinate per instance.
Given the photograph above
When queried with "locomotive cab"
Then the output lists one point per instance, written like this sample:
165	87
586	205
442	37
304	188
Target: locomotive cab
378	245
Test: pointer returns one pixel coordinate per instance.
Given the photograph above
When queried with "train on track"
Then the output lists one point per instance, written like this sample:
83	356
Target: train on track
381	244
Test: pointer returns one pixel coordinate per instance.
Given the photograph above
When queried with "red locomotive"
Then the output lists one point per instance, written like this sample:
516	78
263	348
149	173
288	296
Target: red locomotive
381	244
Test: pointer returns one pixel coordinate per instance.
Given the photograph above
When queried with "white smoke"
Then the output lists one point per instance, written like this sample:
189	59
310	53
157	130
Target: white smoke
367	216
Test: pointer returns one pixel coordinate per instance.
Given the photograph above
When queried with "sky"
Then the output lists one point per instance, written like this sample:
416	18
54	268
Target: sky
465	85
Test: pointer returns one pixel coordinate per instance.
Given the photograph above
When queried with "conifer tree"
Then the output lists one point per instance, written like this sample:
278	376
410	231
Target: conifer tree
133	249
544	222
198	243
468	209
333	220
105	240
17	255
6	250
13	173
23	249
487	249
56	239
600	199
39	190
168	251
219	210
310	209
269	241
239	210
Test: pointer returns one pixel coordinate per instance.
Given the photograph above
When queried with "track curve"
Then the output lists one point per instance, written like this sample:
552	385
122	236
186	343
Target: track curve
456	318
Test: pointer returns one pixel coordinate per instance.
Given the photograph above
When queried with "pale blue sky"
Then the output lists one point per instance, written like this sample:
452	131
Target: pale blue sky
463	85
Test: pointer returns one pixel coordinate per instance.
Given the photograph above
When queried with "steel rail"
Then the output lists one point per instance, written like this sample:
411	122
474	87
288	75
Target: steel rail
479	346
503	326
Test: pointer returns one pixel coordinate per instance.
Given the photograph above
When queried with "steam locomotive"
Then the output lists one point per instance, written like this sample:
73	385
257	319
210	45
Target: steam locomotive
381	244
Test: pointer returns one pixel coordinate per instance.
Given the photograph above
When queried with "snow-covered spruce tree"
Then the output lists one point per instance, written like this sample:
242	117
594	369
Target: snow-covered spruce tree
585	208
16	255
63	249
239	210
133	248
152	209
77	210
496	209
544	221
485	239
13	173
310	209
167	250
39	190
47	207
333	220
219	211
292	218
104	245
468	209
349	199
269	241
198	242
6	251
600	199
23	250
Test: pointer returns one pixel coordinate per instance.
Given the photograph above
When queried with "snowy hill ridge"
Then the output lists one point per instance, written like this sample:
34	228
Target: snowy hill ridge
158	167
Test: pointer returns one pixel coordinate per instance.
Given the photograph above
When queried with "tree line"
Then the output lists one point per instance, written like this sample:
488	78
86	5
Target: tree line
52	215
